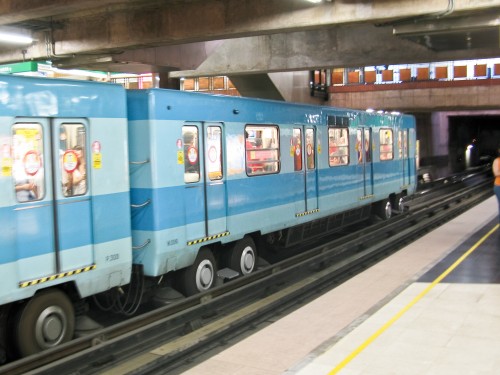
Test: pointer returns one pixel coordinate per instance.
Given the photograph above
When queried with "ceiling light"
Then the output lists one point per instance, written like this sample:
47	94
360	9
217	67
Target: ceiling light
15	38
315	1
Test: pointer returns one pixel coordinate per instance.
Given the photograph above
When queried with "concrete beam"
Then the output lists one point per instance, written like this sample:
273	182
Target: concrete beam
116	27
350	45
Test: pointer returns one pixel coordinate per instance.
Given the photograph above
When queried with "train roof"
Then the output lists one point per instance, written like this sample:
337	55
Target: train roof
162	104
48	97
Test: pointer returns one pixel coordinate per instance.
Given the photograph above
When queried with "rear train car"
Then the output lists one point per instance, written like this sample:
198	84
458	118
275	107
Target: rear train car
213	178
64	204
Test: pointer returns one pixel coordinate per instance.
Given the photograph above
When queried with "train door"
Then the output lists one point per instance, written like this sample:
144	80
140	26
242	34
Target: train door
72	199
49	221
303	139
215	185
205	198
365	166
404	156
311	177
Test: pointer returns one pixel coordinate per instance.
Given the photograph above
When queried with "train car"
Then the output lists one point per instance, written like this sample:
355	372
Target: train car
64	204
213	177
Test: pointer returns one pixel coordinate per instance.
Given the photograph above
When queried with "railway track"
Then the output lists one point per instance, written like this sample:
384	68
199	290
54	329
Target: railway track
171	336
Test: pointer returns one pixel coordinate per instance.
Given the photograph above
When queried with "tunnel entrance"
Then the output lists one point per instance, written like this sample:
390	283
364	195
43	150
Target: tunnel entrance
473	140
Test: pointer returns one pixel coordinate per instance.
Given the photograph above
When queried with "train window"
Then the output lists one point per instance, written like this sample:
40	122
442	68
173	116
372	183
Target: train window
72	140
310	147
191	157
297	149
338	146
28	163
403	144
261	149
363	138
214	152
386	144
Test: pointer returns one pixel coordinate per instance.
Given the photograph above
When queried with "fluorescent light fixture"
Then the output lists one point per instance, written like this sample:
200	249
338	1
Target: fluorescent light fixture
15	38
315	1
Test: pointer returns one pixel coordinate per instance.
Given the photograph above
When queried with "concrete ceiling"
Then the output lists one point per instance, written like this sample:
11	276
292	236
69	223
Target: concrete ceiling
237	37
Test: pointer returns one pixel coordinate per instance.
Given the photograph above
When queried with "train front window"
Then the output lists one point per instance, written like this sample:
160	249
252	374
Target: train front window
338	146
386	144
191	154
28	163
72	141
261	149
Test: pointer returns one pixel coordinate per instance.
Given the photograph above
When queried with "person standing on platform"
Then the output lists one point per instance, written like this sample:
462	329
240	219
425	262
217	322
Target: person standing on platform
496	173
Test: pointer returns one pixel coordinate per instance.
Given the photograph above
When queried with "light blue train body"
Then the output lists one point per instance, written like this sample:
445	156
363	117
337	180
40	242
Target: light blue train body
169	175
182	217
53	239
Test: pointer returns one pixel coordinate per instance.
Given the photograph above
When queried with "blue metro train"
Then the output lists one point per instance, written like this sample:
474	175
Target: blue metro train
102	188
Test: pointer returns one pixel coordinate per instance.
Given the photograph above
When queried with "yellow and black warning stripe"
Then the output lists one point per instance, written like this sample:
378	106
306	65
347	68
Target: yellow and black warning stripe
25	284
366	197
307	213
209	238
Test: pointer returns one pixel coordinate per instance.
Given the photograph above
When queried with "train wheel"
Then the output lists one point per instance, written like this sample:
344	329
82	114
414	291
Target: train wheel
383	209
200	276
243	256
400	204
45	321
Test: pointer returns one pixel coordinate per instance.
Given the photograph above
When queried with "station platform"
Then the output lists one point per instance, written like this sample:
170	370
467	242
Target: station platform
431	308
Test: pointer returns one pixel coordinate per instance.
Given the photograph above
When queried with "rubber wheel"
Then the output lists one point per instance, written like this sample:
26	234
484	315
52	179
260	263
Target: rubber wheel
243	256
45	321
200	276
400	204
383	209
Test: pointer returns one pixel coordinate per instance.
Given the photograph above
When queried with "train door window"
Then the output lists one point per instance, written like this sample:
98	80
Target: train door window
363	146
28	163
386	144
403	143
338	146
214	152
262	149
72	141
310	147
191	154
297	149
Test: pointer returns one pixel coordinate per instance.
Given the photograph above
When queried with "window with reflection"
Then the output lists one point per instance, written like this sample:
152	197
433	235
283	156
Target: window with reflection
386	144
261	149
72	152
28	163
403	144
310	147
214	152
338	146
191	154
297	149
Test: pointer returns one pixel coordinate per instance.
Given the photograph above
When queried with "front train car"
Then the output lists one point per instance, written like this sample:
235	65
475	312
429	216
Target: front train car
64	205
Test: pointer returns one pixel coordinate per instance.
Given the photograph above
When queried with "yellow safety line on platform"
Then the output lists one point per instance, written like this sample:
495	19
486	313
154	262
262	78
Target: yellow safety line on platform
391	321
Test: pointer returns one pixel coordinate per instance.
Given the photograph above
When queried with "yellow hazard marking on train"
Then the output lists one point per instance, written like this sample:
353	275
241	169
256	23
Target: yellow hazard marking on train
25	284
401	312
307	213
209	238
366	197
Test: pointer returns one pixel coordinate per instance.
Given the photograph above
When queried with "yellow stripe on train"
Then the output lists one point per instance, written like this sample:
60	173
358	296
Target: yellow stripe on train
307	213
41	280
209	238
